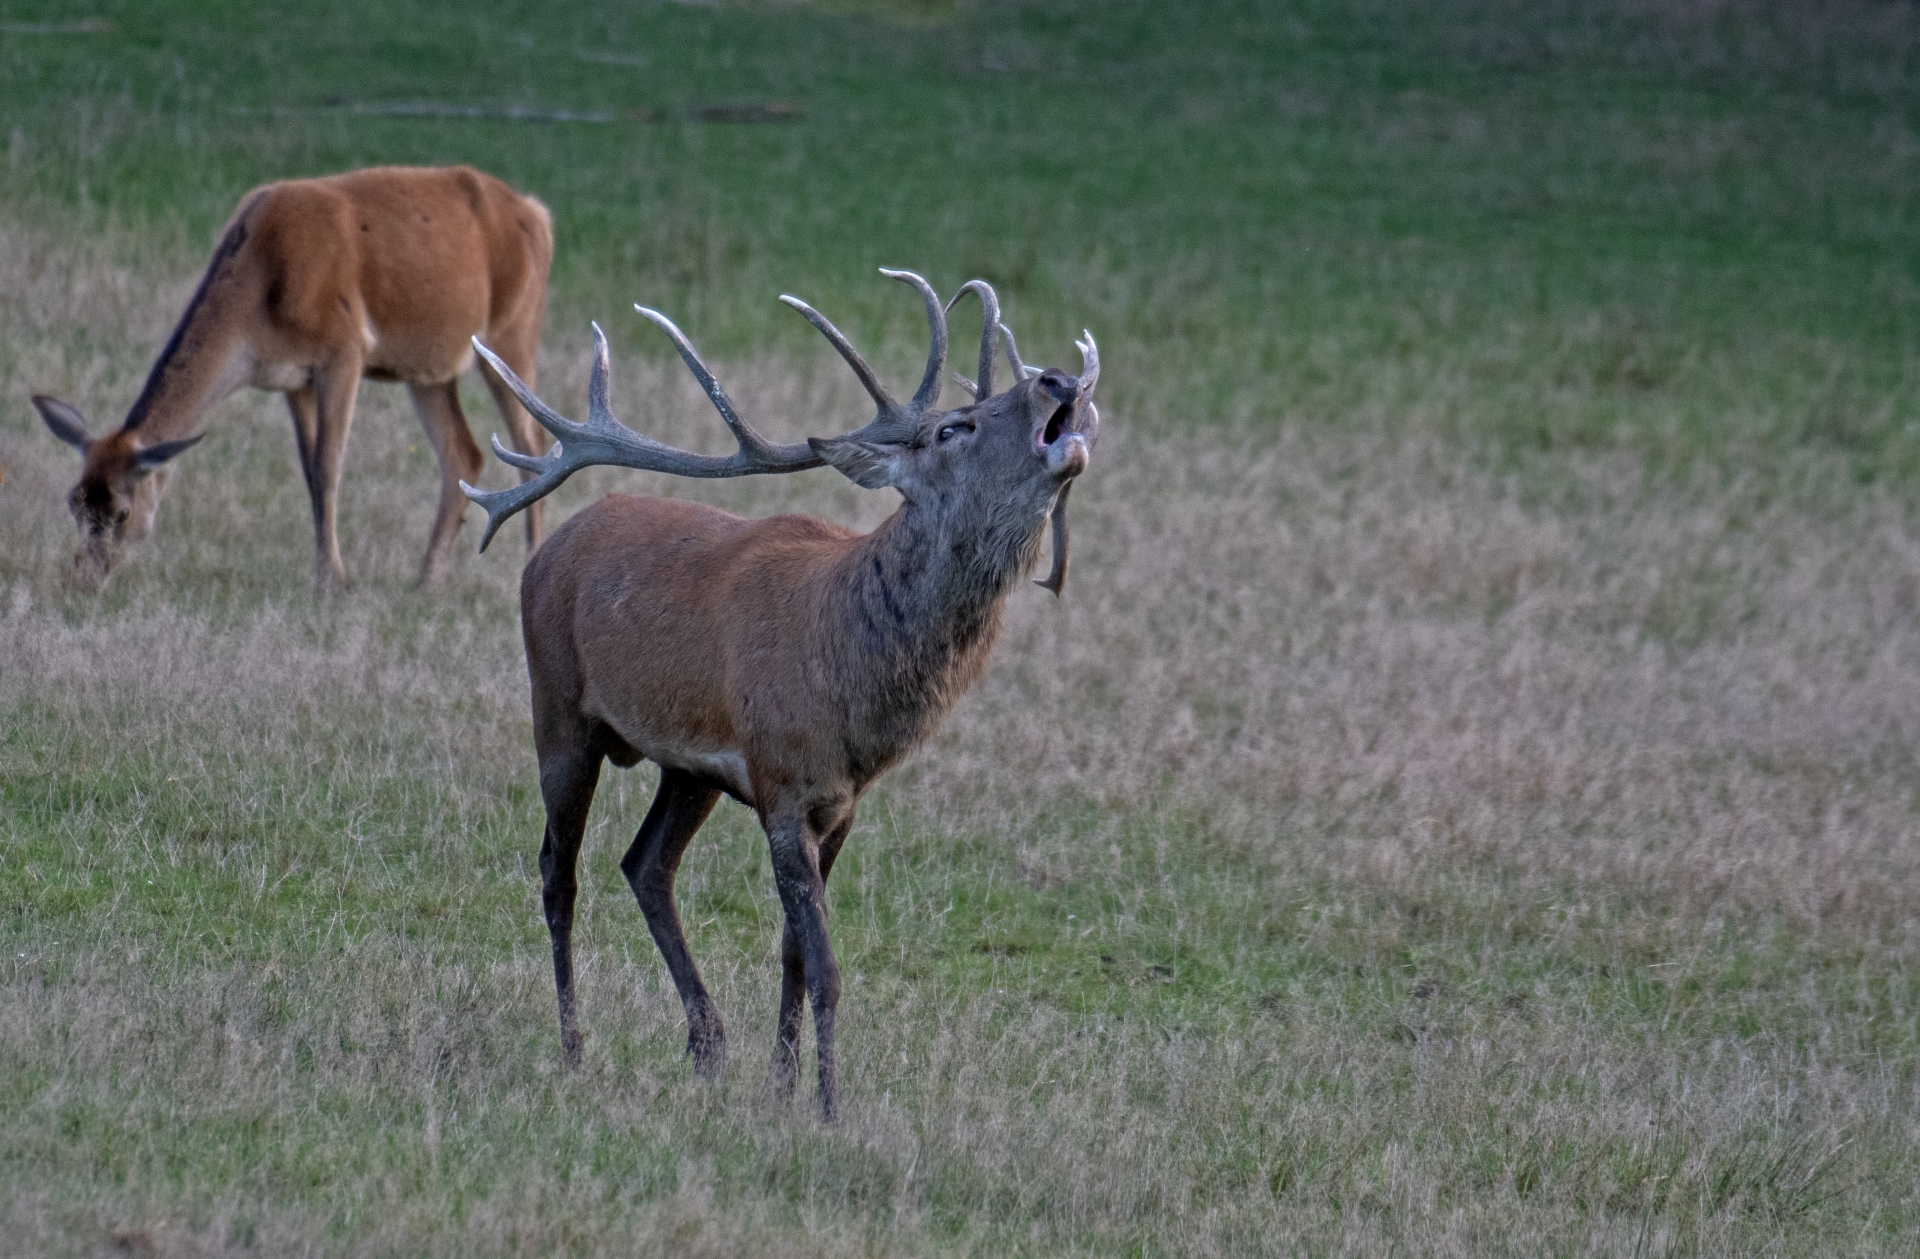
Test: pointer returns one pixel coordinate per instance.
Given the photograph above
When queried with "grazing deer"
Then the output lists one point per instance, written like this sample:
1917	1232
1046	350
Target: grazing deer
387	273
786	662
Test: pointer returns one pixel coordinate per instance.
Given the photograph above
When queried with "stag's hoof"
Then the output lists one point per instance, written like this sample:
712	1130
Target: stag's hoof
783	1072
709	1057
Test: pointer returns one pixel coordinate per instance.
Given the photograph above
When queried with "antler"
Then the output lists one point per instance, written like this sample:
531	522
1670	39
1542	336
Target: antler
605	440
891	422
1020	370
982	387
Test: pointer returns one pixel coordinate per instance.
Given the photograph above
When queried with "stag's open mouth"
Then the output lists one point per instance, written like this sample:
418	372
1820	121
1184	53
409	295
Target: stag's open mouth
1057	424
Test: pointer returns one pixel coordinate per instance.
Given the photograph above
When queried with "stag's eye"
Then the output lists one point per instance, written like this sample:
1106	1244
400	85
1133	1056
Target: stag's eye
949	431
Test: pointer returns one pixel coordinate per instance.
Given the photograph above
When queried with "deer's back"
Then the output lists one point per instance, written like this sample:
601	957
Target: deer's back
411	260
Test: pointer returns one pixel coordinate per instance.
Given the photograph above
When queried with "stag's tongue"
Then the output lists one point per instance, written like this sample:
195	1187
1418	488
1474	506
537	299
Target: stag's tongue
1067	456
1057	579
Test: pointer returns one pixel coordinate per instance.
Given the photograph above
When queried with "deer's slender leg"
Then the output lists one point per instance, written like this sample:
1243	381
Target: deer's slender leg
305	410
679	807
797	852
784	1071
438	407
567	782
334	387
520	351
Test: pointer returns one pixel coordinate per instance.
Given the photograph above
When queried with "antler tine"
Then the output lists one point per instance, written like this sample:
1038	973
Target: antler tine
1089	361
875	389
1089	377
929	391
1020	370
551	420
989	332
501	504
603	440
751	443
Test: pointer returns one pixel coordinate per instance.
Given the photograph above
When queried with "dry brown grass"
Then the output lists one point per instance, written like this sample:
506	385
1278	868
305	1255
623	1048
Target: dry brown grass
1310	691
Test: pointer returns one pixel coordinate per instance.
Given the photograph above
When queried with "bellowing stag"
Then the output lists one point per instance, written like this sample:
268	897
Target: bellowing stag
785	662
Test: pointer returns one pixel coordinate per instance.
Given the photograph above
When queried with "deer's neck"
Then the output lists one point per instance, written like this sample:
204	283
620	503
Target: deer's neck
207	357
925	603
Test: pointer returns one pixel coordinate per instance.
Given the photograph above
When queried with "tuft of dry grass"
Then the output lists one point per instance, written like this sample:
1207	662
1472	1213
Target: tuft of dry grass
1370	850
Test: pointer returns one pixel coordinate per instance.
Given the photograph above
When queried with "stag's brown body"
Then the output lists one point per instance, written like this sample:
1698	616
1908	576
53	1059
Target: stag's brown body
387	273
785	662
765	655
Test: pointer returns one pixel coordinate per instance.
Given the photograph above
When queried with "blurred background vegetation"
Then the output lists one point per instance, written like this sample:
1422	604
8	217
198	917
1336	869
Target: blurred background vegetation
1683	228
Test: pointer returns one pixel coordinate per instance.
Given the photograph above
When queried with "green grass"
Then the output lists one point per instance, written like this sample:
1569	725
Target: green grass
1687	231
1463	803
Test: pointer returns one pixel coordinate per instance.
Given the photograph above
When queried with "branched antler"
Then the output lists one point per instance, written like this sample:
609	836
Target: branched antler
605	440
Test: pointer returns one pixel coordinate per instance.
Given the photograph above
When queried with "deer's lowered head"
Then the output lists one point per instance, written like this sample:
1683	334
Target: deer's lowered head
119	491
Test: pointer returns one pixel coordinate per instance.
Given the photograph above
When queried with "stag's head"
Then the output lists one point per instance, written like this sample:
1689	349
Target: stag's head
995	466
118	493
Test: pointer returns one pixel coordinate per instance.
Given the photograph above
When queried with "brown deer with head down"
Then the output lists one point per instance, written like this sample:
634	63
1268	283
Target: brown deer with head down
785	662
386	273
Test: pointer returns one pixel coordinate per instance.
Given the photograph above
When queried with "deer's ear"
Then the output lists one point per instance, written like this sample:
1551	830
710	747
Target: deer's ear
67	424
153	456
870	465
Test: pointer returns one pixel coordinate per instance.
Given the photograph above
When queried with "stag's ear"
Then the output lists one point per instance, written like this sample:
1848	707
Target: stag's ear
153	456
67	424
870	465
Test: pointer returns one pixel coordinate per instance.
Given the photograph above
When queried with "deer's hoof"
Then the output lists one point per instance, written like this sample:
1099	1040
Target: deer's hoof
709	1057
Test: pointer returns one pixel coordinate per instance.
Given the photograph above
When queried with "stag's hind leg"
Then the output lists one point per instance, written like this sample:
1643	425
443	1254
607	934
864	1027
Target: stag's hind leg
802	859
679	807
567	782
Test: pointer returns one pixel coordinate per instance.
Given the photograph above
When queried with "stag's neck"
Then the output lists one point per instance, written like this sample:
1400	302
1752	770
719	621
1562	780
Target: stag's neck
207	356
925	604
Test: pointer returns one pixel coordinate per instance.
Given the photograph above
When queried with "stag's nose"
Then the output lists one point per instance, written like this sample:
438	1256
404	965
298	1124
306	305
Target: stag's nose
1062	387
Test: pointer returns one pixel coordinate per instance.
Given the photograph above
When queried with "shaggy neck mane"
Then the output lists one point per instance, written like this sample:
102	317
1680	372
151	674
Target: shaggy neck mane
924	605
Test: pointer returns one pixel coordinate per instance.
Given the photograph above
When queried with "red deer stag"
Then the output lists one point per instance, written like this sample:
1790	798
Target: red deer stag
786	662
386	273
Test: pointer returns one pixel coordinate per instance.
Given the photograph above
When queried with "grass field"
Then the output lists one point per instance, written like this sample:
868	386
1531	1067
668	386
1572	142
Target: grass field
1464	803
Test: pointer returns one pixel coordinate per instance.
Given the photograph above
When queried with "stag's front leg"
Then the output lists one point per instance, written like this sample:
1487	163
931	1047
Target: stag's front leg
679	807
567	782
802	859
